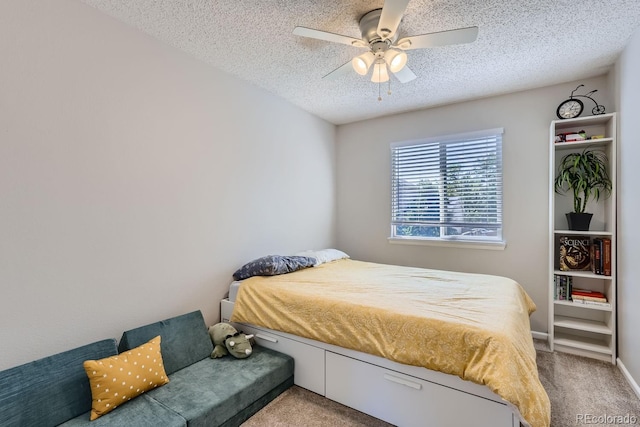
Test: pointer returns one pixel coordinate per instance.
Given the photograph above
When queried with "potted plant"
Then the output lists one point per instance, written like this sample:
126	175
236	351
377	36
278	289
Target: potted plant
585	174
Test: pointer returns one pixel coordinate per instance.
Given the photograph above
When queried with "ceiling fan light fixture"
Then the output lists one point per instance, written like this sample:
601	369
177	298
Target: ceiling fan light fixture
395	59
380	73
362	63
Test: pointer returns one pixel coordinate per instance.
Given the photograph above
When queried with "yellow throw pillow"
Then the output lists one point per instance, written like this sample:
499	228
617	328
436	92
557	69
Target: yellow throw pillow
117	379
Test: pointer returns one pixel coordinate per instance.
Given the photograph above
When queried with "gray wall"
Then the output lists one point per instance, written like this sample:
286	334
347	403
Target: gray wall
628	92
134	179
364	211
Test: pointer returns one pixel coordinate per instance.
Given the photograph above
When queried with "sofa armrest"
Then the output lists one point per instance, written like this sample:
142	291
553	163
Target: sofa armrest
51	390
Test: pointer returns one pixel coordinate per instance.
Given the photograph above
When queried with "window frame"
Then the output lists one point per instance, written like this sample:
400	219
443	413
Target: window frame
497	242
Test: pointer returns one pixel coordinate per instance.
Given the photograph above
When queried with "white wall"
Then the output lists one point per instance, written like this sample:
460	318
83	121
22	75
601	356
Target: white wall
134	179
364	201
628	92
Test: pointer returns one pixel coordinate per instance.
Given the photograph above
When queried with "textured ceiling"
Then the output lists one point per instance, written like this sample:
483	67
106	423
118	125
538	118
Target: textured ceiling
520	45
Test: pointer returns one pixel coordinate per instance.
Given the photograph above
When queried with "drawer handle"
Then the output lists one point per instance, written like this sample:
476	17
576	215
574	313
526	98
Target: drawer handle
402	381
266	338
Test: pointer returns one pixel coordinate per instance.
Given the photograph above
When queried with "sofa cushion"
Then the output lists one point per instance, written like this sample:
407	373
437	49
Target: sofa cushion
52	390
185	340
117	379
140	412
213	391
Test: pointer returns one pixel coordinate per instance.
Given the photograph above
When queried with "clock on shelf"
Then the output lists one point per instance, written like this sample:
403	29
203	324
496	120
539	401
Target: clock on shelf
573	107
569	109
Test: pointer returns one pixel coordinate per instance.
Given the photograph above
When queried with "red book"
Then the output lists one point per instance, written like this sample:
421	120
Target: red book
586	294
597	256
606	257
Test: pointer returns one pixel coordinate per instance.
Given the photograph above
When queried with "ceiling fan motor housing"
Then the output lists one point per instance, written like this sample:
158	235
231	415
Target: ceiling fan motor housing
369	30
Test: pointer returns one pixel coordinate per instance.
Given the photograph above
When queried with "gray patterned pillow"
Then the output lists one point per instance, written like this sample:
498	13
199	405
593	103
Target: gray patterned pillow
272	265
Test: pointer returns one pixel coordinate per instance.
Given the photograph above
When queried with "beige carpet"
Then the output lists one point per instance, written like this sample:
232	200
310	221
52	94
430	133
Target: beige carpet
297	407
579	388
586	391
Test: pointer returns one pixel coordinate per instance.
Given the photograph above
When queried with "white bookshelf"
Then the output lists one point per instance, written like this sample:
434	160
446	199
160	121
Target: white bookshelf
583	329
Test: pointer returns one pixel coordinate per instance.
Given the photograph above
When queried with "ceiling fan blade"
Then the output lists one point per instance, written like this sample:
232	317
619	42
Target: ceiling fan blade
405	75
442	38
390	17
326	36
340	71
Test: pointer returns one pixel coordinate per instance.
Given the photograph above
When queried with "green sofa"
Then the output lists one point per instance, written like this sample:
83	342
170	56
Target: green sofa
201	391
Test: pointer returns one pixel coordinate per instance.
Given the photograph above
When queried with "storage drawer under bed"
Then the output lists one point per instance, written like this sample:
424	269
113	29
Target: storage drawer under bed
405	400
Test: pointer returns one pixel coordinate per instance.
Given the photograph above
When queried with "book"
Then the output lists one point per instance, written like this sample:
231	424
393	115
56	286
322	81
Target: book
574	137
587	295
587	292
584	298
606	256
594	303
570	136
575	253
596	262
601	256
563	285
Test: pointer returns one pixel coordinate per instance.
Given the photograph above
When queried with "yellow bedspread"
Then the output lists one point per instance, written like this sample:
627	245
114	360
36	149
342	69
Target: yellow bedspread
469	325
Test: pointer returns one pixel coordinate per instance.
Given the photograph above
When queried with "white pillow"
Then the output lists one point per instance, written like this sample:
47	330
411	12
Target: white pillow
324	255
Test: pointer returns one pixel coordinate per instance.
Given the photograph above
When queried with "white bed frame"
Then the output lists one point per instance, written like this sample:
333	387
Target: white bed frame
399	394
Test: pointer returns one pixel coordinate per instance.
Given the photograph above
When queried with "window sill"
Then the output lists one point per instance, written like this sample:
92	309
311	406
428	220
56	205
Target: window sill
466	244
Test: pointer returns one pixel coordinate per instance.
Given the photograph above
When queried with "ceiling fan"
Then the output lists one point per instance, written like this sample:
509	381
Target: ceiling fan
384	51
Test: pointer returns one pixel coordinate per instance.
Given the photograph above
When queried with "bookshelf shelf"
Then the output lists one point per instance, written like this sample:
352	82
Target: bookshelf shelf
584	329
583	233
582	343
581	324
582	306
561	146
578	273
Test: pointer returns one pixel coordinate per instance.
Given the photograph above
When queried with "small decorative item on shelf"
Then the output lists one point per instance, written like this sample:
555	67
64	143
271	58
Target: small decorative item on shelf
585	174
571	136
573	107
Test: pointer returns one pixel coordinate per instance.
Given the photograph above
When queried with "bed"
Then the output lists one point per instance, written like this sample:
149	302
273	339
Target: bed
411	346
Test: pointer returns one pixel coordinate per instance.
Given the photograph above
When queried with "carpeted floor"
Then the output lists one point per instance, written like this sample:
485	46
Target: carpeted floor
297	407
582	392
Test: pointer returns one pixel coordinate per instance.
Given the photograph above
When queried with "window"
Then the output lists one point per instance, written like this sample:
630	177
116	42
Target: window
448	188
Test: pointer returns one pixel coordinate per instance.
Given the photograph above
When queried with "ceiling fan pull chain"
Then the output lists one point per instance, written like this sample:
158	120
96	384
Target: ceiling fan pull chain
379	83
389	91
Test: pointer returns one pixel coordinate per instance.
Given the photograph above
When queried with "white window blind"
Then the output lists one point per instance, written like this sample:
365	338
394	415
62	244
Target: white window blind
448	188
